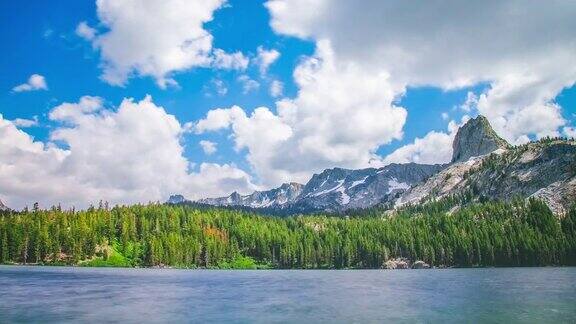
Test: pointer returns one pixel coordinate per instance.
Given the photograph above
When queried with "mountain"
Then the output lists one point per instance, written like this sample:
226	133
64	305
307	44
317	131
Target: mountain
334	190
484	166
277	198
3	207
545	169
476	138
341	189
176	199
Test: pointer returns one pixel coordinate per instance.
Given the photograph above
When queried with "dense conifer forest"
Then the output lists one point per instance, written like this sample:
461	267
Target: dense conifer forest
519	233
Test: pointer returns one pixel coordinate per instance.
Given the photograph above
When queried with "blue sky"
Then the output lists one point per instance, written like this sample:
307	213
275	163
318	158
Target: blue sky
41	38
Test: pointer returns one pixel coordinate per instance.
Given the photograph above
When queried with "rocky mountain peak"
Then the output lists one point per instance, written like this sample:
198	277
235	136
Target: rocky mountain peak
292	186
3	207
476	138
176	199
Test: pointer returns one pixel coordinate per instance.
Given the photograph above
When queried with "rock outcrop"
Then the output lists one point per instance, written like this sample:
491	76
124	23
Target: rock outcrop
400	263
176	199
476	138
3	207
420	265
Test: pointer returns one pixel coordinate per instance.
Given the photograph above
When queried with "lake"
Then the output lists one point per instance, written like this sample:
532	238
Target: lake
62	294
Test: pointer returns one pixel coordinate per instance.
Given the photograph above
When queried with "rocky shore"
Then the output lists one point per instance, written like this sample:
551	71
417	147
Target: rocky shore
404	263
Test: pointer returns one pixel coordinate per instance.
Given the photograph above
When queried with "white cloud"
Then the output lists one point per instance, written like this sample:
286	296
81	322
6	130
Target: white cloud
471	102
445	116
451	45
216	85
248	84
129	155
85	31
35	82
208	147
153	38
217	119
322	127
265	58
23	122
569	132
433	148
521	105
234	61
276	88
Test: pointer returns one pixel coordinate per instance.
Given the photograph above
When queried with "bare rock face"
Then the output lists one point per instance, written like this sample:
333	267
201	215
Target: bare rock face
3	207
420	265
476	138
176	199
400	263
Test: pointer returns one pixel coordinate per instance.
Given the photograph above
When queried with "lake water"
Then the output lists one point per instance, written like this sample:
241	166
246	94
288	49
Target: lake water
54	294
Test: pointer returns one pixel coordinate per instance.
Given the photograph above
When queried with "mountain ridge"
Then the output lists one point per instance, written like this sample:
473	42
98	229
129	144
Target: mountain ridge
482	162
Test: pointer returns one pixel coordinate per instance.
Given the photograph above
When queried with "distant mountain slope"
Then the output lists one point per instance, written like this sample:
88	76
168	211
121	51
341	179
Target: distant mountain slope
278	197
334	189
483	164
341	189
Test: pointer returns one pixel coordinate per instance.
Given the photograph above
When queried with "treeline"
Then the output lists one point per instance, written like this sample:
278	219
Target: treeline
520	233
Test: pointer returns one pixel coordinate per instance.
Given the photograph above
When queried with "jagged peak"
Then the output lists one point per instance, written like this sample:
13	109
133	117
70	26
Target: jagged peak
291	184
176	199
3	207
475	138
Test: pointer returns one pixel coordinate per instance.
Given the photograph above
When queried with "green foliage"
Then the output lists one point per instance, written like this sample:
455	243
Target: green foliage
114	259
243	263
519	233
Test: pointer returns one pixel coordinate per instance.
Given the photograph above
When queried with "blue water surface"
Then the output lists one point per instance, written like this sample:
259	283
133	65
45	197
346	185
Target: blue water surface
81	295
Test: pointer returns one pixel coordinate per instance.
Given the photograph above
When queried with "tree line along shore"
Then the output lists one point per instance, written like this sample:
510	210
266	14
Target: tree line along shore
481	234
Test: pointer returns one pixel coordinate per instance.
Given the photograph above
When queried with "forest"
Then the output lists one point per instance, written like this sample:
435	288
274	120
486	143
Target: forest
480	234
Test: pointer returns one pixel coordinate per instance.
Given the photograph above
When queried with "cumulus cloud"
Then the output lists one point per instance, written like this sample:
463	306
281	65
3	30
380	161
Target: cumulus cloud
265	58
524	50
85	31
208	147
248	84
152	38
434	148
233	61
23	122
471	102
276	88
35	82
569	132
321	127
518	106
129	155
216	85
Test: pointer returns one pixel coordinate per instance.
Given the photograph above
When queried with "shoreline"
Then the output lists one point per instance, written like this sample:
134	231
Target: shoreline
30	265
